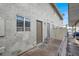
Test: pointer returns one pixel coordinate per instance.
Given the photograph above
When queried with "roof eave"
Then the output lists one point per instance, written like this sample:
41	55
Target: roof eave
56	9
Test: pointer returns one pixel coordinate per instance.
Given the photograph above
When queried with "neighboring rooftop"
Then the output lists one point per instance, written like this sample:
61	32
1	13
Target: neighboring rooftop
73	14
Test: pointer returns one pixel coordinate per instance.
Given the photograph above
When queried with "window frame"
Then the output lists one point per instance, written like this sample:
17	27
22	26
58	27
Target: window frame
24	24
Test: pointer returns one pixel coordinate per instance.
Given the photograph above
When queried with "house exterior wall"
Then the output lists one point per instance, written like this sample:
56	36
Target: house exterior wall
74	16
14	41
73	13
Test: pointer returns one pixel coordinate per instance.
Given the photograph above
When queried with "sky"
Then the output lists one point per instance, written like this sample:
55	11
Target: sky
63	9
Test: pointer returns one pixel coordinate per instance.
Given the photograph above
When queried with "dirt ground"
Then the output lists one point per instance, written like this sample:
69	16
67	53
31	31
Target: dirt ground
49	49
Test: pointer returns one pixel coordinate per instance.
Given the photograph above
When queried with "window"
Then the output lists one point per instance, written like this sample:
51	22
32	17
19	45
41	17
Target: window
20	23
23	24
27	24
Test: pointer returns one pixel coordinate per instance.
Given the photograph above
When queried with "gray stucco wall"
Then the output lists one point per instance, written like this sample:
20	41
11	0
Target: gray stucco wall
14	41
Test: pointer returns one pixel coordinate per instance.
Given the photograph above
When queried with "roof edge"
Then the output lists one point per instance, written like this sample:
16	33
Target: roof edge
56	9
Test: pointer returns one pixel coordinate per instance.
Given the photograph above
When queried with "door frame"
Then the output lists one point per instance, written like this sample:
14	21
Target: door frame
48	30
41	31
